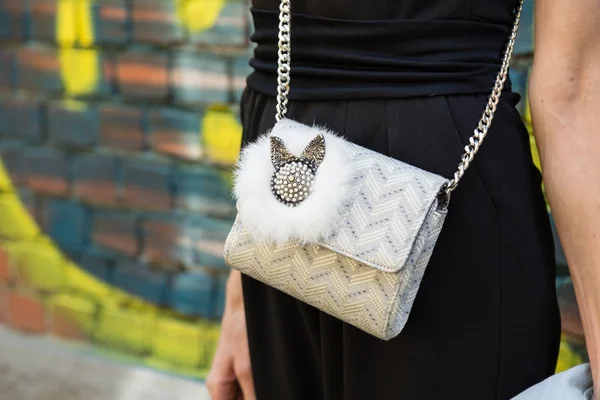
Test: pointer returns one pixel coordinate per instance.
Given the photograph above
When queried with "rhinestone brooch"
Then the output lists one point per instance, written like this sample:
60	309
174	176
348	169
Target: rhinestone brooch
293	179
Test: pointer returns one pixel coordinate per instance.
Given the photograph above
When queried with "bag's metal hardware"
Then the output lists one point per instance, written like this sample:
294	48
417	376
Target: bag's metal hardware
443	199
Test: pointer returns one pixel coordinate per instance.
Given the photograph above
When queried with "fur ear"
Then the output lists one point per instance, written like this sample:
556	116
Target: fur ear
314	153
279	154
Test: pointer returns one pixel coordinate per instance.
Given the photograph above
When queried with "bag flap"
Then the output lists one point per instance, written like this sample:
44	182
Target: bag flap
361	204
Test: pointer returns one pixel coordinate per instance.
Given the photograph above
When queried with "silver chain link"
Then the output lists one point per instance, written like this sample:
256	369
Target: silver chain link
485	121
483	126
283	59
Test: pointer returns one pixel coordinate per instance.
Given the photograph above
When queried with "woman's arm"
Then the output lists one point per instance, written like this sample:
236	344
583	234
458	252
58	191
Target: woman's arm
565	104
230	376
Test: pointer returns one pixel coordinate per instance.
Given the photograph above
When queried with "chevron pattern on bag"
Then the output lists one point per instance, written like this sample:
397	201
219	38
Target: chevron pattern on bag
388	202
369	271
375	301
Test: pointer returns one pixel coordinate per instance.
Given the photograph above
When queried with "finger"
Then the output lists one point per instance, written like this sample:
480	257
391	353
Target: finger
224	391
243	373
221	381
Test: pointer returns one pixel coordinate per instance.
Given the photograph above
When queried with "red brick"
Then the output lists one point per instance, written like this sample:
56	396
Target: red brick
111	19
191	240
176	133
5	272
163	242
13	16
72	316
230	29
73	124
156	21
47	171
148	185
63	326
26	312
143	75
7	69
121	127
69	223
95	178
204	190
21	118
3	304
138	279
43	19
200	78
38	68
116	231
110	22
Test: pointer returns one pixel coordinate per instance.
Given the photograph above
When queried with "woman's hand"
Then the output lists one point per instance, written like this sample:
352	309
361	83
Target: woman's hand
565	105
230	377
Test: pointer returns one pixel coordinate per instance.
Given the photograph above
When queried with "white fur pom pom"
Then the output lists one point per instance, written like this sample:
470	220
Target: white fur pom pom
315	218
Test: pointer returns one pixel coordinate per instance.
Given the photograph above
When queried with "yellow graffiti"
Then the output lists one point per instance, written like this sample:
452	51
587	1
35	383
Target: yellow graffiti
199	15
85	23
567	358
17	223
78	312
92	306
534	150
79	68
38	260
222	134
124	321
529	124
66	23
5	183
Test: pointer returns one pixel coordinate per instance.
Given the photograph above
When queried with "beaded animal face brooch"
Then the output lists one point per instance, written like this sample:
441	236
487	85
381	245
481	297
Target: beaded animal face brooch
293	179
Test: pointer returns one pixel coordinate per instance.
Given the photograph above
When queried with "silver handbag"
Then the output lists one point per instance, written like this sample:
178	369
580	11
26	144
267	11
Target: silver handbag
345	229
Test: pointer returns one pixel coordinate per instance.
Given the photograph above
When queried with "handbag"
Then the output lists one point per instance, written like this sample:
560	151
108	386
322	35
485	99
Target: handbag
572	384
340	227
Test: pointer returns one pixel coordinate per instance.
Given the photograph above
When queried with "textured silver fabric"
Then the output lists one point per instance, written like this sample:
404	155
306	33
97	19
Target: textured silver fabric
387	205
369	271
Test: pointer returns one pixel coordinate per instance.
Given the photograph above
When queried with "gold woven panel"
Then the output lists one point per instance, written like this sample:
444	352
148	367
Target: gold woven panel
375	301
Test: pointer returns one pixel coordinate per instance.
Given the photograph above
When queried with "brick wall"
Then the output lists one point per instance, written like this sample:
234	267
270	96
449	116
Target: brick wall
118	126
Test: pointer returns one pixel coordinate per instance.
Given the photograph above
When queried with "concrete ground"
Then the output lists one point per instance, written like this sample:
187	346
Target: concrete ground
34	368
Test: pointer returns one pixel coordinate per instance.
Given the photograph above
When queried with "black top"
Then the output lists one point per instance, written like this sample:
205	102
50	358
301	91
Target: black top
351	49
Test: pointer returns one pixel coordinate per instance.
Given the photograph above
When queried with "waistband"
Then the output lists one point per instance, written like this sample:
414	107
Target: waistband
357	59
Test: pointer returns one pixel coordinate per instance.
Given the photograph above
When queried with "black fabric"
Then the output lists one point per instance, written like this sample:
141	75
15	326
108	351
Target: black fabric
410	79
356	49
485	323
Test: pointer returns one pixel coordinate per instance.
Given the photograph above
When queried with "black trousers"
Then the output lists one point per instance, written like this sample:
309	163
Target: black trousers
485	323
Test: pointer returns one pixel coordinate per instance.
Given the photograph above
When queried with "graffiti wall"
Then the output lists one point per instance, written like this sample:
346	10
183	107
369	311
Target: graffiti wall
118	128
118	125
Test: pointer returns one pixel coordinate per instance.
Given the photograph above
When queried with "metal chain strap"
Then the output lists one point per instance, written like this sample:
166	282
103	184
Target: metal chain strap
283	59
490	109
483	126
